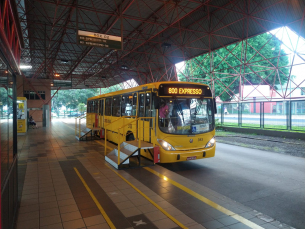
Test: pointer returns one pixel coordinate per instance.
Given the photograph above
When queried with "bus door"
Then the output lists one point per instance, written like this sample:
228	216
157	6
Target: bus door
144	125
128	109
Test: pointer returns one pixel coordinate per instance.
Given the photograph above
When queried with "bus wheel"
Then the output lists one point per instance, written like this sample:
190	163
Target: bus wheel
129	136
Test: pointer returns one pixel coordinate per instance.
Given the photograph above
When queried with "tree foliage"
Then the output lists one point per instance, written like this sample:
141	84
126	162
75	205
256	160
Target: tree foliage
72	98
245	64
81	107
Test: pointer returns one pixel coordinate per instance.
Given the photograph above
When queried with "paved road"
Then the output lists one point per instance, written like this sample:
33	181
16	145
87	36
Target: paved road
271	183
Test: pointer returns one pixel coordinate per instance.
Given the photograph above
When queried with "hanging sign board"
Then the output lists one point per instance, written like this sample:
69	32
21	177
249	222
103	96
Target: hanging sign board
62	83
99	40
3	80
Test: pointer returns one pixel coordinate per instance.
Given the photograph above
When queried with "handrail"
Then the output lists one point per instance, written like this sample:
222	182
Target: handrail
79	123
139	140
112	123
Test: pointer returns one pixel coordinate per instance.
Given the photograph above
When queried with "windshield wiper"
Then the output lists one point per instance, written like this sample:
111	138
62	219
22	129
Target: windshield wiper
179	109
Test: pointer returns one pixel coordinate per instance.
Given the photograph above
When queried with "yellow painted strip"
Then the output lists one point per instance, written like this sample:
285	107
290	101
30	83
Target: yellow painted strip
104	145
151	201
95	200
207	201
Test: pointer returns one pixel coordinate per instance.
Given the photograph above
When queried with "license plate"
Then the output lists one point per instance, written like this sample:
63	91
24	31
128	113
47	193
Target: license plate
191	158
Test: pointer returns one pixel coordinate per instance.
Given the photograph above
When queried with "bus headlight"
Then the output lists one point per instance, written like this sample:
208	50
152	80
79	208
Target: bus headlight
211	143
165	145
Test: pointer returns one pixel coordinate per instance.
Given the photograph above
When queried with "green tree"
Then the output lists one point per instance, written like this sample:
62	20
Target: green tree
71	98
226	69
3	96
81	107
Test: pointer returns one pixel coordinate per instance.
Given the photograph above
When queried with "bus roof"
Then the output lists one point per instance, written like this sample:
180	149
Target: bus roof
142	87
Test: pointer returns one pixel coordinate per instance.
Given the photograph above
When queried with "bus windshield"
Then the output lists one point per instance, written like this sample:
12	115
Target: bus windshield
186	116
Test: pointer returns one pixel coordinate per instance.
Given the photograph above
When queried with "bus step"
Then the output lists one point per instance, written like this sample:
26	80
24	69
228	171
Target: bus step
144	145
112	158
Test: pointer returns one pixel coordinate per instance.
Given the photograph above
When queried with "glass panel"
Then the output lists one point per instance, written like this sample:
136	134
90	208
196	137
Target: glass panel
186	116
275	115
116	107
230	111
147	105
298	115
141	105
108	106
127	108
102	107
10	126
5	113
251	114
134	105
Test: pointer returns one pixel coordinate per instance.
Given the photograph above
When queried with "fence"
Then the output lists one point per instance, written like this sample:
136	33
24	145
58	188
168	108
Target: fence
279	115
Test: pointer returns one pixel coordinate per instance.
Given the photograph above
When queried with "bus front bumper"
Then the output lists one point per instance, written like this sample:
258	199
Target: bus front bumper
186	155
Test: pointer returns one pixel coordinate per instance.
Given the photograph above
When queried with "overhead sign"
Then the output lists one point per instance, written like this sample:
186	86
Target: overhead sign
62	83
99	40
184	90
3	80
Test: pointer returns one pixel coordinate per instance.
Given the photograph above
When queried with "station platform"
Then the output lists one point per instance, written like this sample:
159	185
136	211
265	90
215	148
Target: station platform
67	184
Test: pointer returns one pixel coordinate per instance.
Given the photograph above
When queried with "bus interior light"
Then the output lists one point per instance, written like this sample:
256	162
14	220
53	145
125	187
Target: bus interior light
211	143
165	145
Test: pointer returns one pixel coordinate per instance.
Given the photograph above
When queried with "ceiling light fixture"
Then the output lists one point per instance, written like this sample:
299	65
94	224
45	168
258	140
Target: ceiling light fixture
25	67
64	61
166	45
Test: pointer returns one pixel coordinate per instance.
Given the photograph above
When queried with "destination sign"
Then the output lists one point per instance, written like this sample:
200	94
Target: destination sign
99	40
184	90
62	83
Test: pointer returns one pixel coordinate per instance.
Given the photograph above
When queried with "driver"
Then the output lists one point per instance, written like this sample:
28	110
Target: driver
163	112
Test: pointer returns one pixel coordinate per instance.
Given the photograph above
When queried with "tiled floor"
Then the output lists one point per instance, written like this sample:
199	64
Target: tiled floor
54	196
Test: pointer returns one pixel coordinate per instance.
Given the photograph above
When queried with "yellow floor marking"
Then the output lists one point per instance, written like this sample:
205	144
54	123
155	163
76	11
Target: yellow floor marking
151	201
207	201
104	145
95	200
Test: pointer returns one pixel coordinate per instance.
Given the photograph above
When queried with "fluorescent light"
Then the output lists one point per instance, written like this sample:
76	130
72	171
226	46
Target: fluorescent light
25	66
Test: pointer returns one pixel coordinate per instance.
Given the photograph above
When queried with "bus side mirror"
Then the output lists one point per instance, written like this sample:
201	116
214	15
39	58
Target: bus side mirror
215	107
156	100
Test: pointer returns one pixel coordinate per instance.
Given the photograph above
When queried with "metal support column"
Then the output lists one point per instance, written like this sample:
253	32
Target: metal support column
222	114
46	116
261	115
288	114
240	114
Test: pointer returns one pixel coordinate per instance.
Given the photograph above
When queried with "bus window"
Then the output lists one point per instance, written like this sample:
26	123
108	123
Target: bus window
134	105
88	107
126	107
101	107
148	105
108	106
141	105
95	106
116	106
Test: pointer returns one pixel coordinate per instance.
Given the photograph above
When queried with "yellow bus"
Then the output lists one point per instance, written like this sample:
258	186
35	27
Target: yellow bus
177	117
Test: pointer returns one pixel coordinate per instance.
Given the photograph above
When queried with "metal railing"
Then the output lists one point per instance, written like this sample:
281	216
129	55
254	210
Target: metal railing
106	125
277	115
123	135
78	128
